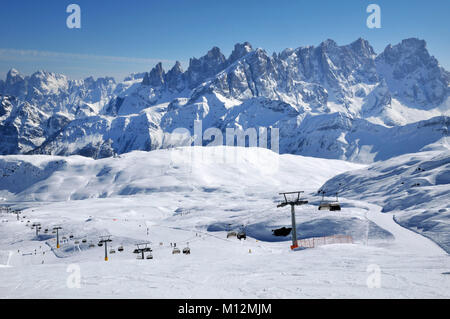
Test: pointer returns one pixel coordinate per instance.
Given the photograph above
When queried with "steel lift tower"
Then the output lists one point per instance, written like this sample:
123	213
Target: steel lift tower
296	201
105	240
57	229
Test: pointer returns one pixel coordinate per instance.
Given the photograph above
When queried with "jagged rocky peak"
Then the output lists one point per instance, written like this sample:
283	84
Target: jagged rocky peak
135	76
177	68
212	60
175	77
240	50
409	48
155	77
99	81
13	76
362	47
205	67
413	74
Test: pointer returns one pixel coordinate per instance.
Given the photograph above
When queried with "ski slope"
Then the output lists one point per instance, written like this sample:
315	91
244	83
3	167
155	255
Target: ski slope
189	197
414	187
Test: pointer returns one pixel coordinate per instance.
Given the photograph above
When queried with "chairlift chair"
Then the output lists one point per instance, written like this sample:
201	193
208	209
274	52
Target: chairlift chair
84	241
231	234
112	251
120	249
329	205
242	234
77	242
282	232
100	244
149	256
176	251
187	251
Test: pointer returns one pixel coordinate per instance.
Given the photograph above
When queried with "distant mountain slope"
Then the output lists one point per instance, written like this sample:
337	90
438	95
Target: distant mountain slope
328	101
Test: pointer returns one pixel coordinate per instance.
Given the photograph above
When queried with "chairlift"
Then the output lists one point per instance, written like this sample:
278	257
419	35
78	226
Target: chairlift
176	251
84	241
282	232
71	236
100	244
242	234
112	251
329	205
77	242
187	251
91	245
120	248
149	256
147	249
230	233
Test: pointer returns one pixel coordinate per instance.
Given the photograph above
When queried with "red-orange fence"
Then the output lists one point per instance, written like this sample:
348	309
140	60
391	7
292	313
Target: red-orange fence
321	241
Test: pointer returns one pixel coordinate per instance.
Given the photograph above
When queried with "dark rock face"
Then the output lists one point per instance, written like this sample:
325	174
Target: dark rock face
414	75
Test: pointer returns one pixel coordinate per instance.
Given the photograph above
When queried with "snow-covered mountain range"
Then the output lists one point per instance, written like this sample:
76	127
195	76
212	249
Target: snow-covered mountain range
342	102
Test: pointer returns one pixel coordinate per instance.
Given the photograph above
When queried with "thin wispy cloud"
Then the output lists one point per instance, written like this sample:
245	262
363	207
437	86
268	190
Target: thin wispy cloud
76	65
27	55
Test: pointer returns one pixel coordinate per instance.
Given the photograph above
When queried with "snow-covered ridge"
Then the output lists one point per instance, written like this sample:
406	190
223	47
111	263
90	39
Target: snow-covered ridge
53	178
344	96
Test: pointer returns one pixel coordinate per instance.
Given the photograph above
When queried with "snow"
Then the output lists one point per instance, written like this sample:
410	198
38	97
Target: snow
190	195
413	187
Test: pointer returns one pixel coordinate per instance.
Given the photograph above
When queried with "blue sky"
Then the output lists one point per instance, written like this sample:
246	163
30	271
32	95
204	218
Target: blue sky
120	37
